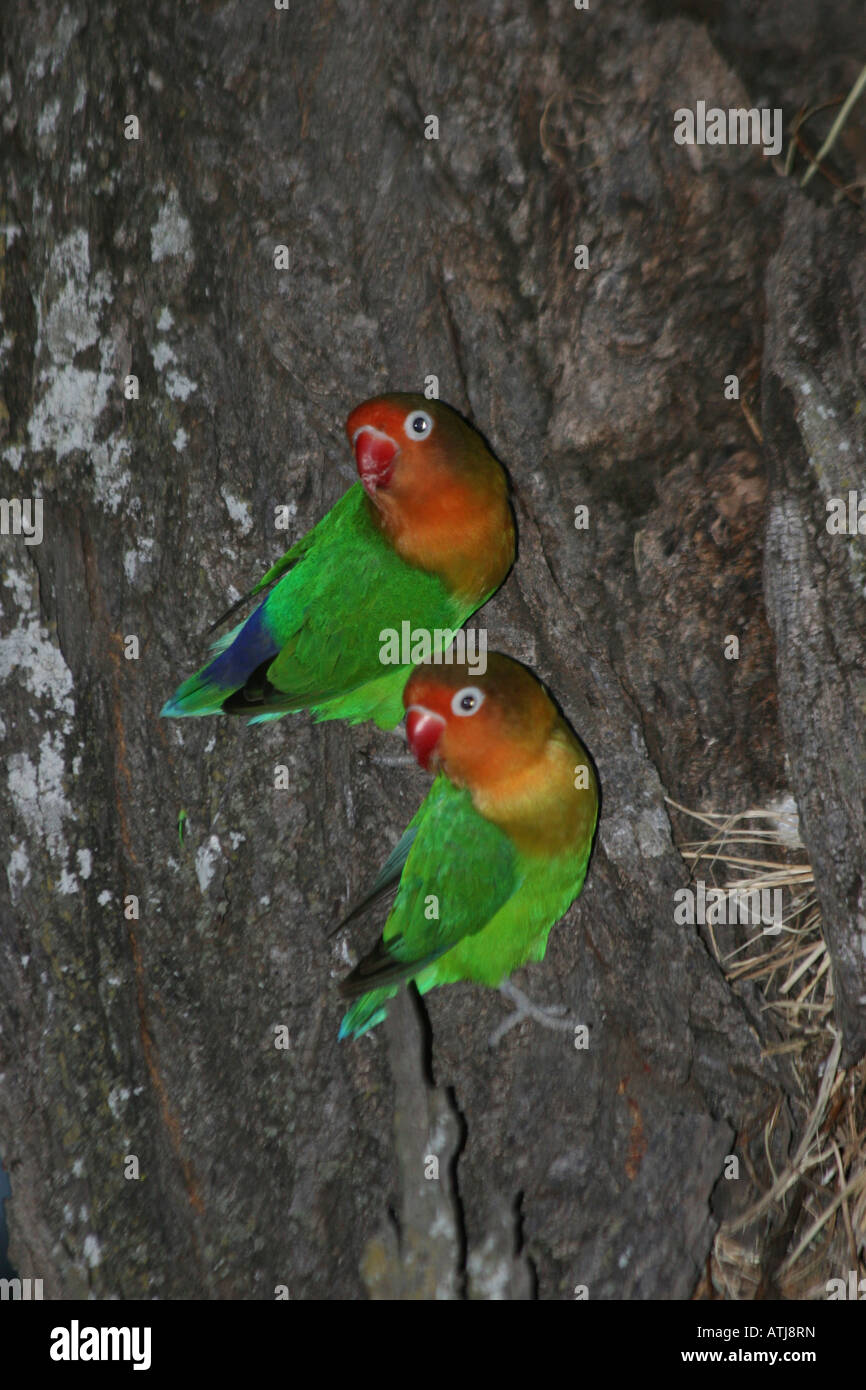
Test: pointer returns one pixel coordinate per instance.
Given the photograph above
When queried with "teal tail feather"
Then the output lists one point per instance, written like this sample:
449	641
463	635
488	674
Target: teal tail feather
365	1013
195	696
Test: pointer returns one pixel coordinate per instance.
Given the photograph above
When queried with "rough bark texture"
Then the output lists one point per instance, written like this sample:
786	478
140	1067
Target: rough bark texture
815	428
454	257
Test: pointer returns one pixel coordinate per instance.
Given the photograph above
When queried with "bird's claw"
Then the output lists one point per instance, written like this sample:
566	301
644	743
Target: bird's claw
555	1016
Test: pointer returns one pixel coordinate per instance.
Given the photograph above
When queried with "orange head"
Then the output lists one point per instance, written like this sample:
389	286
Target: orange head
502	738
476	728
435	490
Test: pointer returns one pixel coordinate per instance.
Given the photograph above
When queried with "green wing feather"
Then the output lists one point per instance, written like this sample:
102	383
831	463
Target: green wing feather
329	611
459	872
291	557
386	879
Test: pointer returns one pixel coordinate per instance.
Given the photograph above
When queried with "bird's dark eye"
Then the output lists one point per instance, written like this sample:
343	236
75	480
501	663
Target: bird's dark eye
467	701
418	424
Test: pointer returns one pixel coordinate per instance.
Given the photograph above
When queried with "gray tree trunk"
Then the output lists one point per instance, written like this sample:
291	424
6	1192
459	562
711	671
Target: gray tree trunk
154	1035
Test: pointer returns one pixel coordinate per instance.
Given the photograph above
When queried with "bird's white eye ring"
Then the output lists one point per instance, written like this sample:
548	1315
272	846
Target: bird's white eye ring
418	425
467	701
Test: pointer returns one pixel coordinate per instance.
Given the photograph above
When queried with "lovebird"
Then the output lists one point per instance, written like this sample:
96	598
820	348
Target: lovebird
499	848
423	539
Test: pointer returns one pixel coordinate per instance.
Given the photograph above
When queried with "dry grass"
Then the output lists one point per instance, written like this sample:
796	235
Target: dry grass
797	144
806	1160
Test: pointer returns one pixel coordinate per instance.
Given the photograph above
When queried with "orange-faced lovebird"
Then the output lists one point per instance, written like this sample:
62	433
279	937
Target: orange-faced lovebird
500	846
424	538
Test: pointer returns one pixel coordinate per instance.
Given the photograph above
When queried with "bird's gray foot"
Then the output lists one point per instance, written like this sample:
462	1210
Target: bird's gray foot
393	760
555	1016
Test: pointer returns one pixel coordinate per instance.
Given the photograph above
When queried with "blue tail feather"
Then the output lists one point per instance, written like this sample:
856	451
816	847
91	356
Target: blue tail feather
238	654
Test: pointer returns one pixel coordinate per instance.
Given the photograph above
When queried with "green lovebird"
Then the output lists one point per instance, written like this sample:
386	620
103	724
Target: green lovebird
500	846
423	539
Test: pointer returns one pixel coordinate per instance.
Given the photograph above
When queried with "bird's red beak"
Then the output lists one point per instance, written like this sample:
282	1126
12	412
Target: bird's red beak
375	452
423	730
